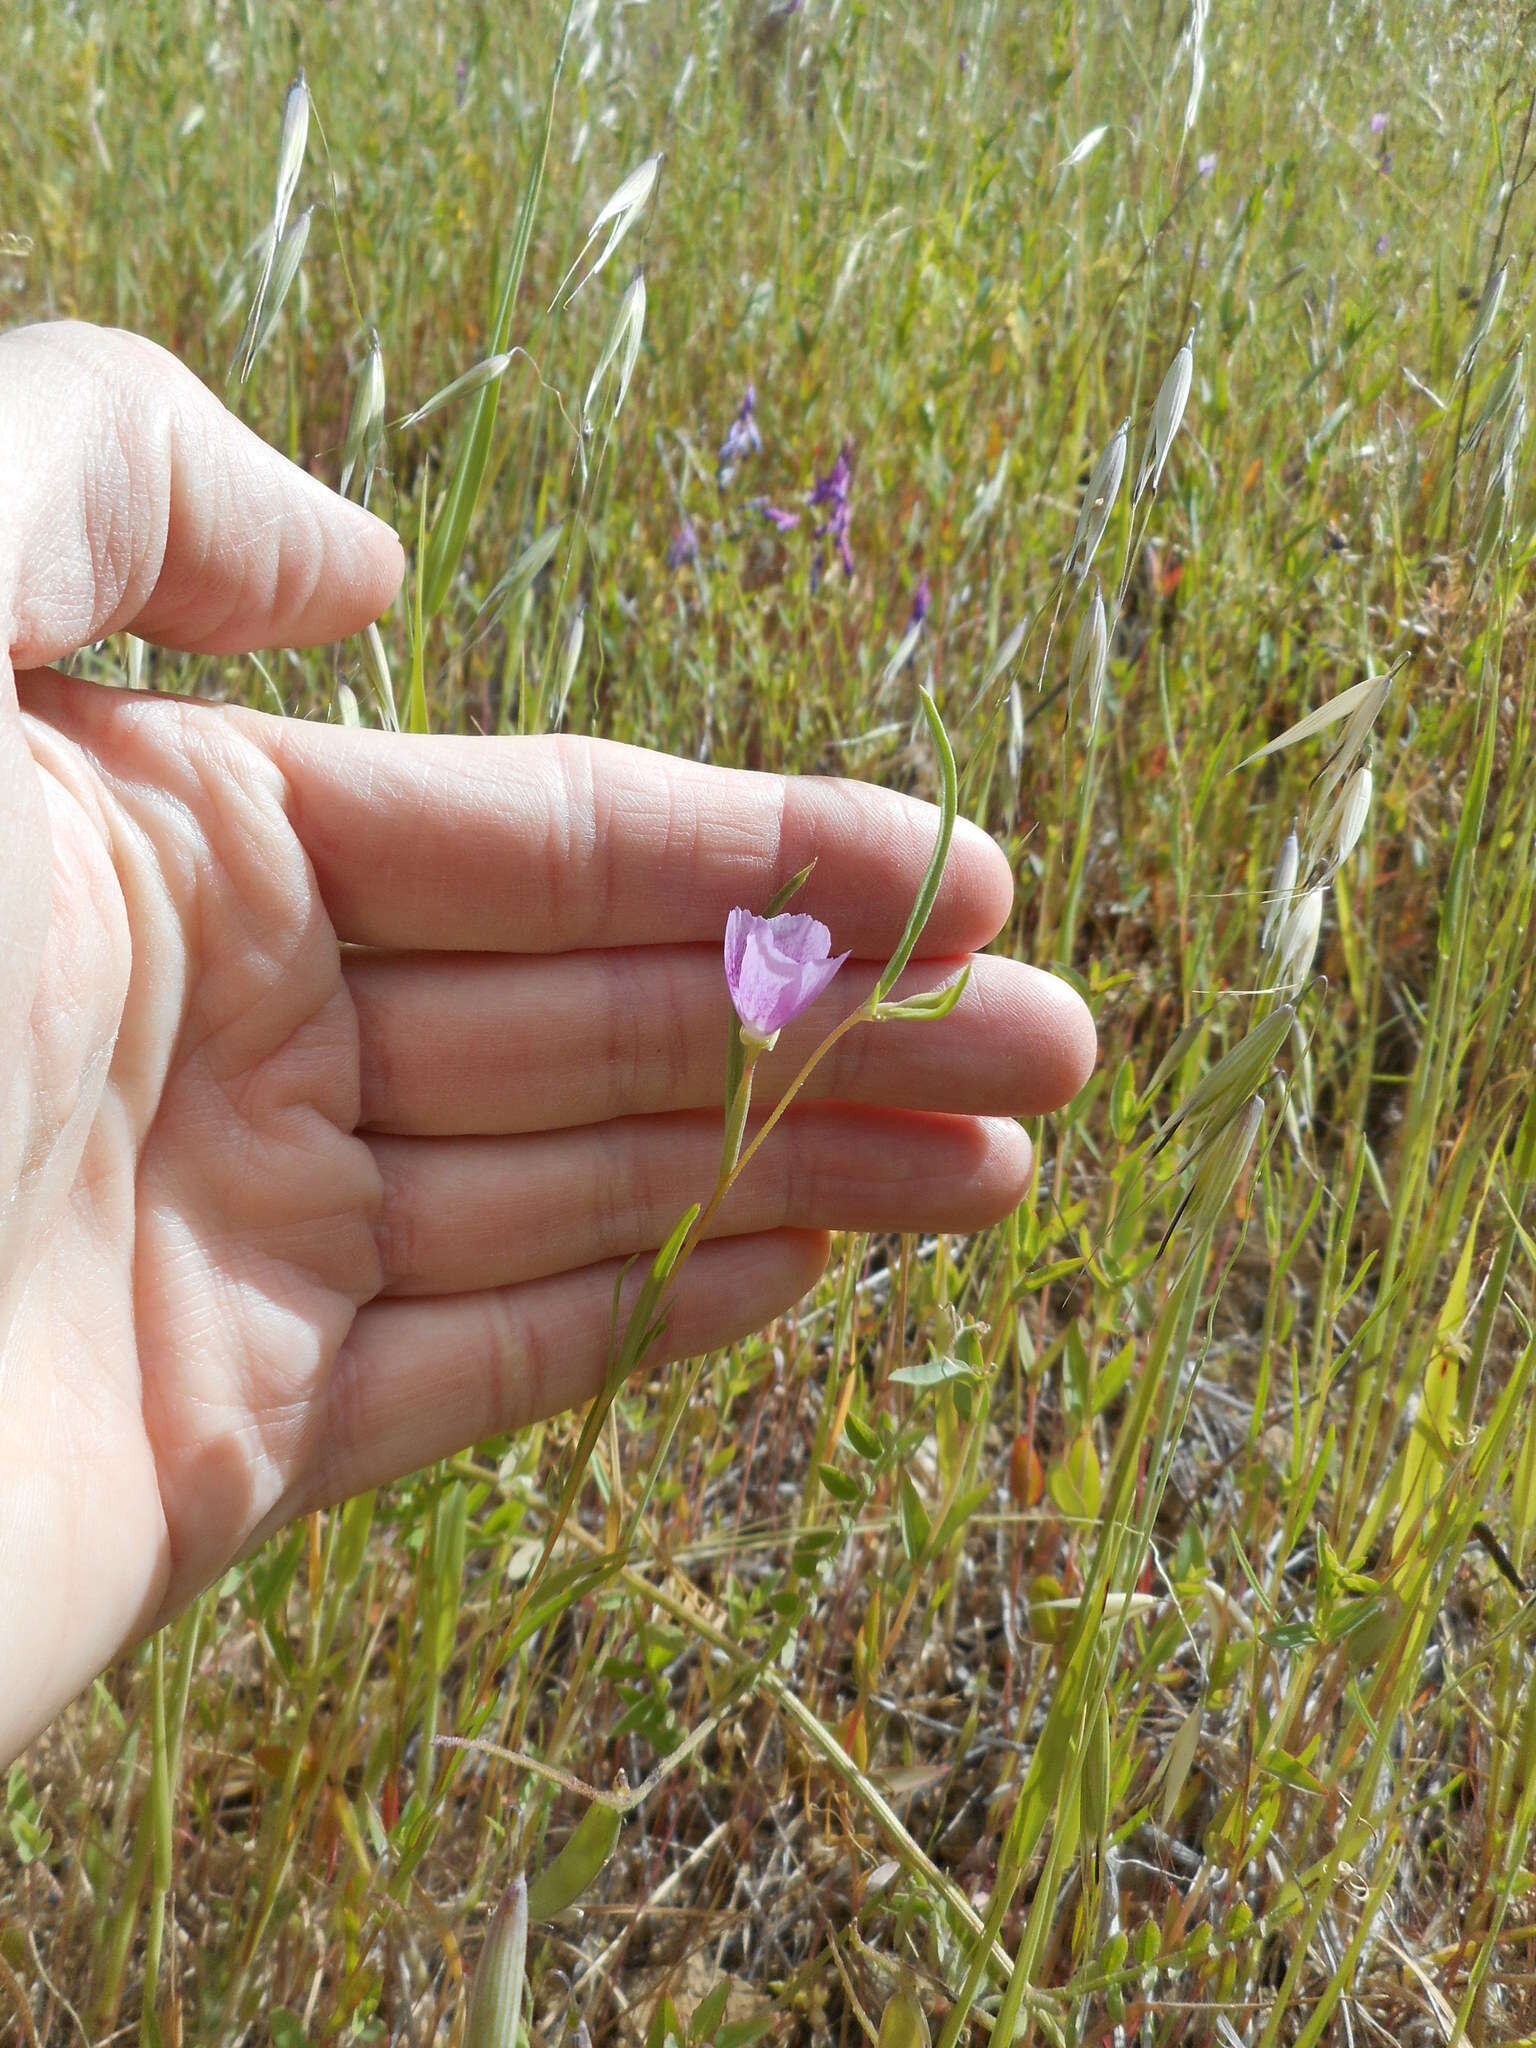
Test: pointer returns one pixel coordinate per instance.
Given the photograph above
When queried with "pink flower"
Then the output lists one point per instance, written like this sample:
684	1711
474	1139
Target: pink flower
775	967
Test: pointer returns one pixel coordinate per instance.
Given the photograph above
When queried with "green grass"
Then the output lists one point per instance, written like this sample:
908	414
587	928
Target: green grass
1275	1780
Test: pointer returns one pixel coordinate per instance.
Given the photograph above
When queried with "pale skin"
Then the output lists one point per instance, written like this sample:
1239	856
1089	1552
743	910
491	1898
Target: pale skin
342	1072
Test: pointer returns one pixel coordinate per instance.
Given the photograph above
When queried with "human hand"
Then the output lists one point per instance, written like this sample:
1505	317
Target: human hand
343	1071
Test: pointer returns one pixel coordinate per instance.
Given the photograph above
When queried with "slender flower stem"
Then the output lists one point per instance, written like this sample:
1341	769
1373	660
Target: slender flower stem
863	1015
736	1123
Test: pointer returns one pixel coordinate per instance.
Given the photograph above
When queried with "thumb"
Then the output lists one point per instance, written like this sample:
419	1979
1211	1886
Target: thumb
130	497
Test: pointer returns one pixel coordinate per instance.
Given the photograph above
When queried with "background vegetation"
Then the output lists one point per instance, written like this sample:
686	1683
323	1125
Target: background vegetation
1279	1783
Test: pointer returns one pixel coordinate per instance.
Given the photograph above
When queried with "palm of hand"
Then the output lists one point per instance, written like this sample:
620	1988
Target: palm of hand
205	1216
343	1072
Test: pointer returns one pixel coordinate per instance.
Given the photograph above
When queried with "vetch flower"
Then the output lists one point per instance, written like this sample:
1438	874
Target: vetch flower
1378	124
743	437
777	517
1206	164
684	547
835	490
775	968
922	602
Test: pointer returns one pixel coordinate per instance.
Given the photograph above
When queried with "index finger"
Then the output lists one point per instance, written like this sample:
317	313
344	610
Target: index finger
552	844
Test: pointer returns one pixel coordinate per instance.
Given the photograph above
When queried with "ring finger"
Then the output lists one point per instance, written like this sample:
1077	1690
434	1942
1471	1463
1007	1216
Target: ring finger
461	1214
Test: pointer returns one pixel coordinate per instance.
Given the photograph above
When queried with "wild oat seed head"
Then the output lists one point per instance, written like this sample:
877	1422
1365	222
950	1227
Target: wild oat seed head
511	584
1495	407
622	208
469	381
1239	1073
377	662
290	150
1090	656
1280	888
1354	808
1511	442
1296	940
365	429
1221	1166
1359	706
1194	41
1167	415
1006	655
624	335
570	657
1487	313
1098	503
285	268
1357	730
632	311
1083	150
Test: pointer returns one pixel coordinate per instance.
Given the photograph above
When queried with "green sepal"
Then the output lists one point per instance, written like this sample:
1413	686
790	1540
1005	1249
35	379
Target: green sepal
928	1007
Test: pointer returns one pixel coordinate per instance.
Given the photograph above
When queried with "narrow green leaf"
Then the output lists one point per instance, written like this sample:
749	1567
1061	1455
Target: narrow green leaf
949	799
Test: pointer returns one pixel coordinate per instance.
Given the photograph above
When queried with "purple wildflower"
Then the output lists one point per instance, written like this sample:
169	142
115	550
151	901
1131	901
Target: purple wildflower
1378	124
743	437
775	968
1383	244
1206	164
835	490
785	522
922	601
685	545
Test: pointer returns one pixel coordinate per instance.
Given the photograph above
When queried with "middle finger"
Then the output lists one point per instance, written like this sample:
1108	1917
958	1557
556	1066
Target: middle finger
493	1045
